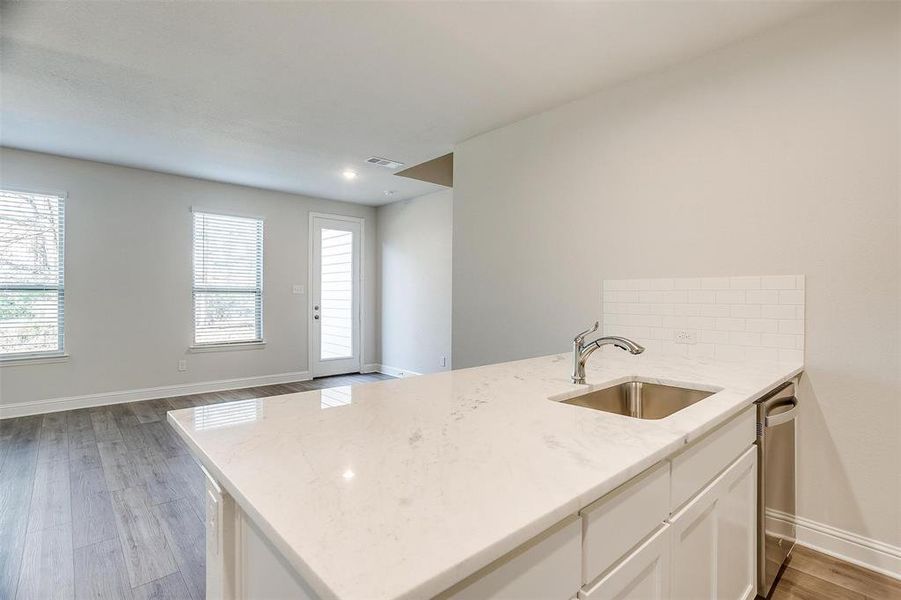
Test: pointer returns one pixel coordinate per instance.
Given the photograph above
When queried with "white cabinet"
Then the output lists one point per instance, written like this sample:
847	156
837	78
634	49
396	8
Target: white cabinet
240	562
218	515
643	575
713	537
546	567
614	524
697	465
262	572
632	548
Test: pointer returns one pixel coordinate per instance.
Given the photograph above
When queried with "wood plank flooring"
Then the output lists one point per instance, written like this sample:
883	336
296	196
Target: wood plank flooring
106	502
811	575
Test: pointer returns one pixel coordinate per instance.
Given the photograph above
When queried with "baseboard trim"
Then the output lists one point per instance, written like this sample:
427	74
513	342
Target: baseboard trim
396	372
844	545
36	407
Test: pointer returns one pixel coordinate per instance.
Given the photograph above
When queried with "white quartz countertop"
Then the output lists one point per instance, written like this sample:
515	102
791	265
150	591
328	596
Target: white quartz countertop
401	488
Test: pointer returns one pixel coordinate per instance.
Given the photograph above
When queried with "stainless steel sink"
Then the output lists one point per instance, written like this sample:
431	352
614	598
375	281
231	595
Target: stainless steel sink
640	399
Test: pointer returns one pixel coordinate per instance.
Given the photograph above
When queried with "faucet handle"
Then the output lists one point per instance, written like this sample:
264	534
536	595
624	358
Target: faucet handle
582	335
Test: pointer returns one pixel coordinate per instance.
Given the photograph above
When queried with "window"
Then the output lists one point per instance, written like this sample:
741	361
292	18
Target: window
31	274
228	279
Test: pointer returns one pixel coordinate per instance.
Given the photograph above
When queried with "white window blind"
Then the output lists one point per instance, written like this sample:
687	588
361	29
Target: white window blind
228	279
31	274
336	288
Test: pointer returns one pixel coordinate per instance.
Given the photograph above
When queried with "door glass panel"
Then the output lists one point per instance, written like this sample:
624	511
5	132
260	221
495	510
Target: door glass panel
336	288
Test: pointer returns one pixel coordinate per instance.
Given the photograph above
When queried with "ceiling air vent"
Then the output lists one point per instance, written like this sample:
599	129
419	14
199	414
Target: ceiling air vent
384	162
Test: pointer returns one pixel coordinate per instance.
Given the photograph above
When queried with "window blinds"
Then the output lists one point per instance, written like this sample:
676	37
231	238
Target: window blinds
31	274
228	279
336	290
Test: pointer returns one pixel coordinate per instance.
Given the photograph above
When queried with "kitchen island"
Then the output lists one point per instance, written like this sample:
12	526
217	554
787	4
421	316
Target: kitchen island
472	482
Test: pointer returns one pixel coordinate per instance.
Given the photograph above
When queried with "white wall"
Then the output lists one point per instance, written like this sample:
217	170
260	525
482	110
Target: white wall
777	155
415	263
128	278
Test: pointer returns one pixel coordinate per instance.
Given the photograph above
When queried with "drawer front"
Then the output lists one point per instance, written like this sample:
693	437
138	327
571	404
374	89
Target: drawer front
642	575
620	520
705	459
547	568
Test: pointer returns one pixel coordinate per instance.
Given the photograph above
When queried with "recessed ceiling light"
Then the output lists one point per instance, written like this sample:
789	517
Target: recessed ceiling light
349	174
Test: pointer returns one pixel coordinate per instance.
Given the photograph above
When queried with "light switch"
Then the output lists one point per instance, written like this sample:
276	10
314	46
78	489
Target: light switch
298	289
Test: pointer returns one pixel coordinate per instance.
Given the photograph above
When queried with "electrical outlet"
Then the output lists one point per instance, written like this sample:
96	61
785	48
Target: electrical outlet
685	336
443	361
182	365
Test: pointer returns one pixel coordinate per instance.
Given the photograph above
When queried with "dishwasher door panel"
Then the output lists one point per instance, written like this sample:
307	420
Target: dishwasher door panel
776	484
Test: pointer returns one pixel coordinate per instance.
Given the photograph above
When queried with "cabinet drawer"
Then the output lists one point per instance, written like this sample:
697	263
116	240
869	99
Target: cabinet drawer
705	459
642	575
545	568
617	522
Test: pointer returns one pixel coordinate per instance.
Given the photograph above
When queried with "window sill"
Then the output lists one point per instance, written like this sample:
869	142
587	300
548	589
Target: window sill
36	359
227	347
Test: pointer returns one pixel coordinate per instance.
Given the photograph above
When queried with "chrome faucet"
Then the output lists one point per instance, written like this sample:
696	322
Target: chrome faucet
581	351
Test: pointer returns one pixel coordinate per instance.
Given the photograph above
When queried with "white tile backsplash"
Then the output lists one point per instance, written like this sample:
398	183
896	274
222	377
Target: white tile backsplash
732	318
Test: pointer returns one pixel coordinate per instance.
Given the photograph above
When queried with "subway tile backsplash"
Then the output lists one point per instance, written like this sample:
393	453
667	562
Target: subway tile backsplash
732	318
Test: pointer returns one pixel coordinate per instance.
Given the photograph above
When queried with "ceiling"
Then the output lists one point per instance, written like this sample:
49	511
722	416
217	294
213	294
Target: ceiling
287	95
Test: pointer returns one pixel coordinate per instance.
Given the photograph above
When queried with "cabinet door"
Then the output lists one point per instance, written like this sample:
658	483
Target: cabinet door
713	553
546	567
694	550
736	526
642	575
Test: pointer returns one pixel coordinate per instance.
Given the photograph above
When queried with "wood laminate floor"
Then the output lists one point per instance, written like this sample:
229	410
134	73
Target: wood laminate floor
811	575
106	503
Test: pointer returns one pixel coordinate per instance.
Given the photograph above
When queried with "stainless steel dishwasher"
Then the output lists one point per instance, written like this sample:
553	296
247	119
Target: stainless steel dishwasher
776	416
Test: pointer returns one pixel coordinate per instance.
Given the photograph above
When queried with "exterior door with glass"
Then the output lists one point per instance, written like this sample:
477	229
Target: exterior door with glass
335	294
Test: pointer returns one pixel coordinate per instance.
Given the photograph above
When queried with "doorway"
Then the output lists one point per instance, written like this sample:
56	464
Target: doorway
335	294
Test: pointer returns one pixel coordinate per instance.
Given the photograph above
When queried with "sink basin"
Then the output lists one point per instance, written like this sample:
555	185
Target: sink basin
639	399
